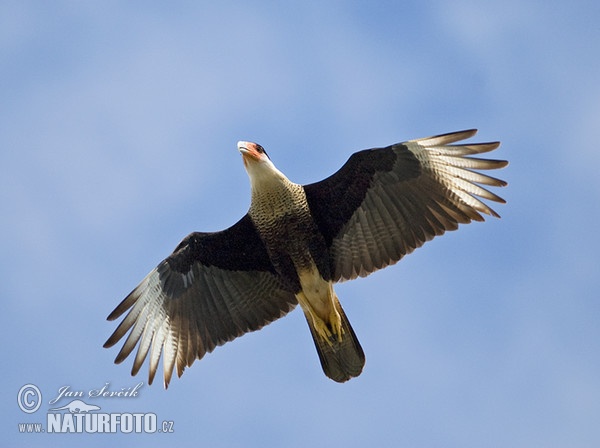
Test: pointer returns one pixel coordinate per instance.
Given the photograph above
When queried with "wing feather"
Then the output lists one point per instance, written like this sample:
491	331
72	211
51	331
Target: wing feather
383	203
212	289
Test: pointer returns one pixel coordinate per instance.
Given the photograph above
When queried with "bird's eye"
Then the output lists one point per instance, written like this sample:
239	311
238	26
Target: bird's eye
261	150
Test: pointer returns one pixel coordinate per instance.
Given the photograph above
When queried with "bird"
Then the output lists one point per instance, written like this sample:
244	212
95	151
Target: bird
297	241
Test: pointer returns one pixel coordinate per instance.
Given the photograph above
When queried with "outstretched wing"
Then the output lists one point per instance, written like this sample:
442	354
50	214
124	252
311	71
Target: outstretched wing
383	203
213	288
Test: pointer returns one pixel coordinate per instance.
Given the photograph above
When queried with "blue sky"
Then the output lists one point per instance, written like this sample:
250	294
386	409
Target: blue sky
118	131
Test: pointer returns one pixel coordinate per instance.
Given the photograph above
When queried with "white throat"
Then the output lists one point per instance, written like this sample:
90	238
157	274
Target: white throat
264	176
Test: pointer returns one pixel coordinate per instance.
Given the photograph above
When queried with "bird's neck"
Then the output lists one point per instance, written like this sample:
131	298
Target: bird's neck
265	179
273	193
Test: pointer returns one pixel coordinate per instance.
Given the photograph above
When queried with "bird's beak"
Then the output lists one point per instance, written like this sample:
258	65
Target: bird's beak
249	151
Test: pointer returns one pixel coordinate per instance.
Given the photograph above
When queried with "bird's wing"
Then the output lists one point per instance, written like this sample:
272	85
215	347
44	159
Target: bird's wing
383	203
213	288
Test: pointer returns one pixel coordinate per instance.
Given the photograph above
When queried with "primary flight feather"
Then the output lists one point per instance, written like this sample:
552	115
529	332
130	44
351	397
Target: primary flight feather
295	242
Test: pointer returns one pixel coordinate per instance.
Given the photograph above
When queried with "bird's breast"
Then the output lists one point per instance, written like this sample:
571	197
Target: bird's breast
284	222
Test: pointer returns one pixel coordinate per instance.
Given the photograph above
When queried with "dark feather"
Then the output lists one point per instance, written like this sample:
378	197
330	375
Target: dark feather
212	289
383	203
340	360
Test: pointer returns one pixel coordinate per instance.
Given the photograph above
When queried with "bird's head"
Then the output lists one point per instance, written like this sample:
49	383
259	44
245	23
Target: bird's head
252	153
257	163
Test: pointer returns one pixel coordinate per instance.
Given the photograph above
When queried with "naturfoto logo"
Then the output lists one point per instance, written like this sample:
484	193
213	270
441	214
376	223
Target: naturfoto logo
76	413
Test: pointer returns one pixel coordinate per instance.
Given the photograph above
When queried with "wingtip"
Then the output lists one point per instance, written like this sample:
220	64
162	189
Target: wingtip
467	132
112	339
113	315
447	138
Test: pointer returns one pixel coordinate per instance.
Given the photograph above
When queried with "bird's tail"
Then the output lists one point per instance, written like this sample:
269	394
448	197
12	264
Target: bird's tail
342	358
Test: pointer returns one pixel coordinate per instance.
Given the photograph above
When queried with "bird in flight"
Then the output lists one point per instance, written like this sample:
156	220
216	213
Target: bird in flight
295	243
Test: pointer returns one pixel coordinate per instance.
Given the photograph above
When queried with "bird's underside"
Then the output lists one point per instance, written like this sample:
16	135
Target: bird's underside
295	243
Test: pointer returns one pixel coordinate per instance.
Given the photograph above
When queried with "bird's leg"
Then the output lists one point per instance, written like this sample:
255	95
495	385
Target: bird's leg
330	328
335	321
